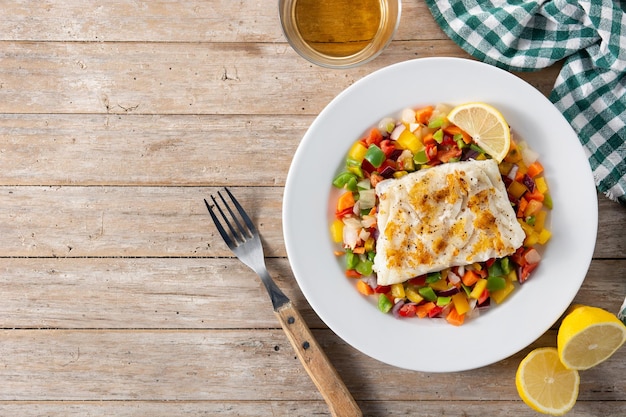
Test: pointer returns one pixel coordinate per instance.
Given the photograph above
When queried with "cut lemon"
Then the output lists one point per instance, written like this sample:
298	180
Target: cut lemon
588	336
544	384
485	125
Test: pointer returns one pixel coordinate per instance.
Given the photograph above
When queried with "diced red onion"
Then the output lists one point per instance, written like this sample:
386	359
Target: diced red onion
396	308
449	292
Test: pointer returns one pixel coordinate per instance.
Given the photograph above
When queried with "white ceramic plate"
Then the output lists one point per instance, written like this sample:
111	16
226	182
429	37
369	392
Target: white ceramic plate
423	344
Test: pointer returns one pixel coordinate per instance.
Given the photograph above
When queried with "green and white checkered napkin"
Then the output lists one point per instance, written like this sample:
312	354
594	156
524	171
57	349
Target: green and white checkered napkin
590	91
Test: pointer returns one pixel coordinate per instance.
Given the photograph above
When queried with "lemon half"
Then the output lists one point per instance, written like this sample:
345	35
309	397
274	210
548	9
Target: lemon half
588	336
544	384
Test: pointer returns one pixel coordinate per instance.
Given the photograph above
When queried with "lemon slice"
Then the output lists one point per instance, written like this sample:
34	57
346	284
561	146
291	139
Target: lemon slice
485	125
588	336
544	384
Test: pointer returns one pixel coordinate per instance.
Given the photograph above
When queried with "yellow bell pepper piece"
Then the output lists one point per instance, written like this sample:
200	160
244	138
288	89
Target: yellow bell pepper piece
540	220
541	185
544	236
460	303
479	287
357	152
531	239
336	231
397	290
500	295
440	285
408	140
413	296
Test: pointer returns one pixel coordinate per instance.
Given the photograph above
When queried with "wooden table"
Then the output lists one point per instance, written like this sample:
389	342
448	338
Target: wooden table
118	296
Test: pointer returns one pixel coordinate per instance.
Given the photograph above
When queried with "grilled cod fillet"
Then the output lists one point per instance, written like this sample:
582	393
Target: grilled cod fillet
449	215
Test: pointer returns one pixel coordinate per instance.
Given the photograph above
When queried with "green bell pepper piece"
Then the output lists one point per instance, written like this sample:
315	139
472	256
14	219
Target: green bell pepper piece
495	283
364	267
375	156
443	301
345	179
384	304
352	259
420	157
495	270
433	277
438	136
428	293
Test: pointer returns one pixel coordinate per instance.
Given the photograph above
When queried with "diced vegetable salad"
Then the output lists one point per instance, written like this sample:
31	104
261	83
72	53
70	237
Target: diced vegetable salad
419	139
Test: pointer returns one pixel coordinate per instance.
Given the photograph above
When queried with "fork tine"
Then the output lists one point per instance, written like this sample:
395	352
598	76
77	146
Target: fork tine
243	214
236	236
245	233
218	224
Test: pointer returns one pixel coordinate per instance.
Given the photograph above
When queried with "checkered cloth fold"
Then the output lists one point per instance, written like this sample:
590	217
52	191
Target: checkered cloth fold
588	35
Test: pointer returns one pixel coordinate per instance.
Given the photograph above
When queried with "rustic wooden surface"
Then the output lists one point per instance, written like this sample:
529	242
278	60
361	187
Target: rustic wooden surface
118	296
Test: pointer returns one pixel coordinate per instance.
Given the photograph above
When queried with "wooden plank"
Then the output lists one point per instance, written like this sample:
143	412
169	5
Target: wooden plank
196	78
291	408
95	221
183	293
170	21
240	365
104	149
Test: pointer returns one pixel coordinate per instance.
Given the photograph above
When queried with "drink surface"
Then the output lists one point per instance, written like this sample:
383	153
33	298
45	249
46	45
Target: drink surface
338	28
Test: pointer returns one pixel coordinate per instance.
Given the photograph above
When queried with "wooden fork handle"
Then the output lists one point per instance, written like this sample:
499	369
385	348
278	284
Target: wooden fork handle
316	363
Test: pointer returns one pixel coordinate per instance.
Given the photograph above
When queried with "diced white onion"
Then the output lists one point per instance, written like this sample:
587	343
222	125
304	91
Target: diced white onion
368	221
350	237
453	278
367	198
414	126
529	156
386	125
351	222
461	270
513	172
408	116
395	134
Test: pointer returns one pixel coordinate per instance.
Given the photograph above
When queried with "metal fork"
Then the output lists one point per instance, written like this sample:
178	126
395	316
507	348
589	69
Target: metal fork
244	241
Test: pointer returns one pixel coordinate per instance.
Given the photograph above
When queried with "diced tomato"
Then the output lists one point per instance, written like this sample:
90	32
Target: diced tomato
374	137
419	281
387	146
431	150
483	297
408	310
382	289
351	273
375	178
435	311
448	151
525	272
345	212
